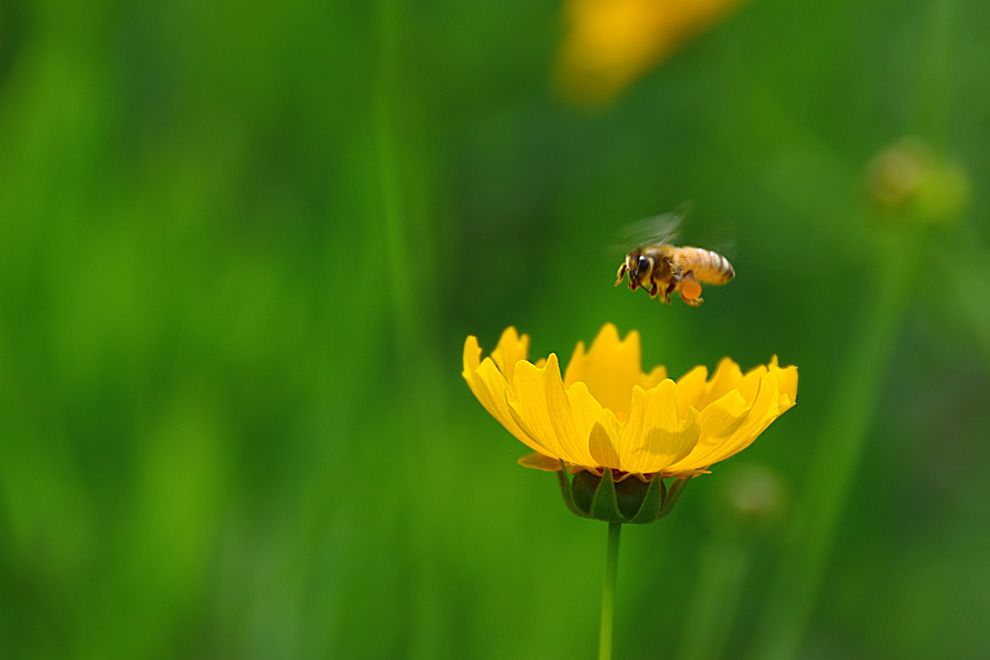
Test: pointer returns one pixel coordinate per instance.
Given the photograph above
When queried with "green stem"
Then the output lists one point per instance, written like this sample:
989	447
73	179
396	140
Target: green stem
393	212
608	591
938	61
966	263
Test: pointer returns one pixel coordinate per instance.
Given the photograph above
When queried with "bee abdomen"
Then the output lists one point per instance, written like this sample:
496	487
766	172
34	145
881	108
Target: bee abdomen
708	266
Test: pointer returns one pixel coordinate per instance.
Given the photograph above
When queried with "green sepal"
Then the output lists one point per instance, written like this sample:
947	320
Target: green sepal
584	486
673	494
565	490
653	501
603	506
630	501
630	494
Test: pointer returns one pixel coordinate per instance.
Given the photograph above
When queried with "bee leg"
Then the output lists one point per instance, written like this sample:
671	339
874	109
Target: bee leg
668	291
621	274
653	290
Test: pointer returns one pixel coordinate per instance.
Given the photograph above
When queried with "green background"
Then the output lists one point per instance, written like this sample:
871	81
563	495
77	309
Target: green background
241	246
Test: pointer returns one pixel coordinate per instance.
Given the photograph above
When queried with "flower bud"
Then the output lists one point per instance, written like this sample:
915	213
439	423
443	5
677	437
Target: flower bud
909	174
631	500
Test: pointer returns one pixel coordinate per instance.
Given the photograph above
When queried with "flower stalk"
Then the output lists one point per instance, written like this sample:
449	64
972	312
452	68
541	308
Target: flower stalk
608	591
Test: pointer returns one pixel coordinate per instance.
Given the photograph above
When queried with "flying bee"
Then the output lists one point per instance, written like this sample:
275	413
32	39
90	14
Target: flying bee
662	269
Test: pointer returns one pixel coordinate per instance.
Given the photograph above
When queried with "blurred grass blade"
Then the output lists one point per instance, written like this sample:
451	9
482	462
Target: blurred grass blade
839	449
722	568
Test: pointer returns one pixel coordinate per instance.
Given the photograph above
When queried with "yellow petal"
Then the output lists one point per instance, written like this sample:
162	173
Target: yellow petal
659	430
610	369
728	376
538	461
510	349
602	448
788	379
729	425
589	415
541	407
654	378
764	411
718	421
490	388
471	359
497	395
692	387
751	382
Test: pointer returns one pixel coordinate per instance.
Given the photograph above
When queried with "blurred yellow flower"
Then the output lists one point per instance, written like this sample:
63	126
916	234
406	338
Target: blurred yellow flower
607	413
610	43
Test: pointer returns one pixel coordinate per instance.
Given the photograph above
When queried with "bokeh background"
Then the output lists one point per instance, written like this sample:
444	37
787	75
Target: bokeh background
242	243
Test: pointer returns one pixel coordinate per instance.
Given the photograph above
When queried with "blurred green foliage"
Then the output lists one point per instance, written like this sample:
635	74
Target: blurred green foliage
241	245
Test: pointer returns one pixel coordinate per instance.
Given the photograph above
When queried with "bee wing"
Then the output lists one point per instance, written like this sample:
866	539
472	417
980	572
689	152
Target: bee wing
717	236
726	247
661	228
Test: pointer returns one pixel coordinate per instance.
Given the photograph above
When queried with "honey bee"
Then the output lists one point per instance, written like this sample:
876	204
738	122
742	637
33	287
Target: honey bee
662	269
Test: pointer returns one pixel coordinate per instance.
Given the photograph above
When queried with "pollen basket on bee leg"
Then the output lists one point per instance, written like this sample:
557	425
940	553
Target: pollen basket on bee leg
690	289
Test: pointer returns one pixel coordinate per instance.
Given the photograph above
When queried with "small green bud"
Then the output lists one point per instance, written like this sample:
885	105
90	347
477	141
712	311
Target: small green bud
909	175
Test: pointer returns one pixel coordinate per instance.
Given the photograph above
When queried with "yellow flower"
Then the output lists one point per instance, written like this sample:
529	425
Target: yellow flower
610	43
606	413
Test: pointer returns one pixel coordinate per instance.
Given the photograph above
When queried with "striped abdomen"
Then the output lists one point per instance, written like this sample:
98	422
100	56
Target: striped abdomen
708	266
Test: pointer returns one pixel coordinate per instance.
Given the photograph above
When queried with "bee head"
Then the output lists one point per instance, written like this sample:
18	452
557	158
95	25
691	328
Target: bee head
639	267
